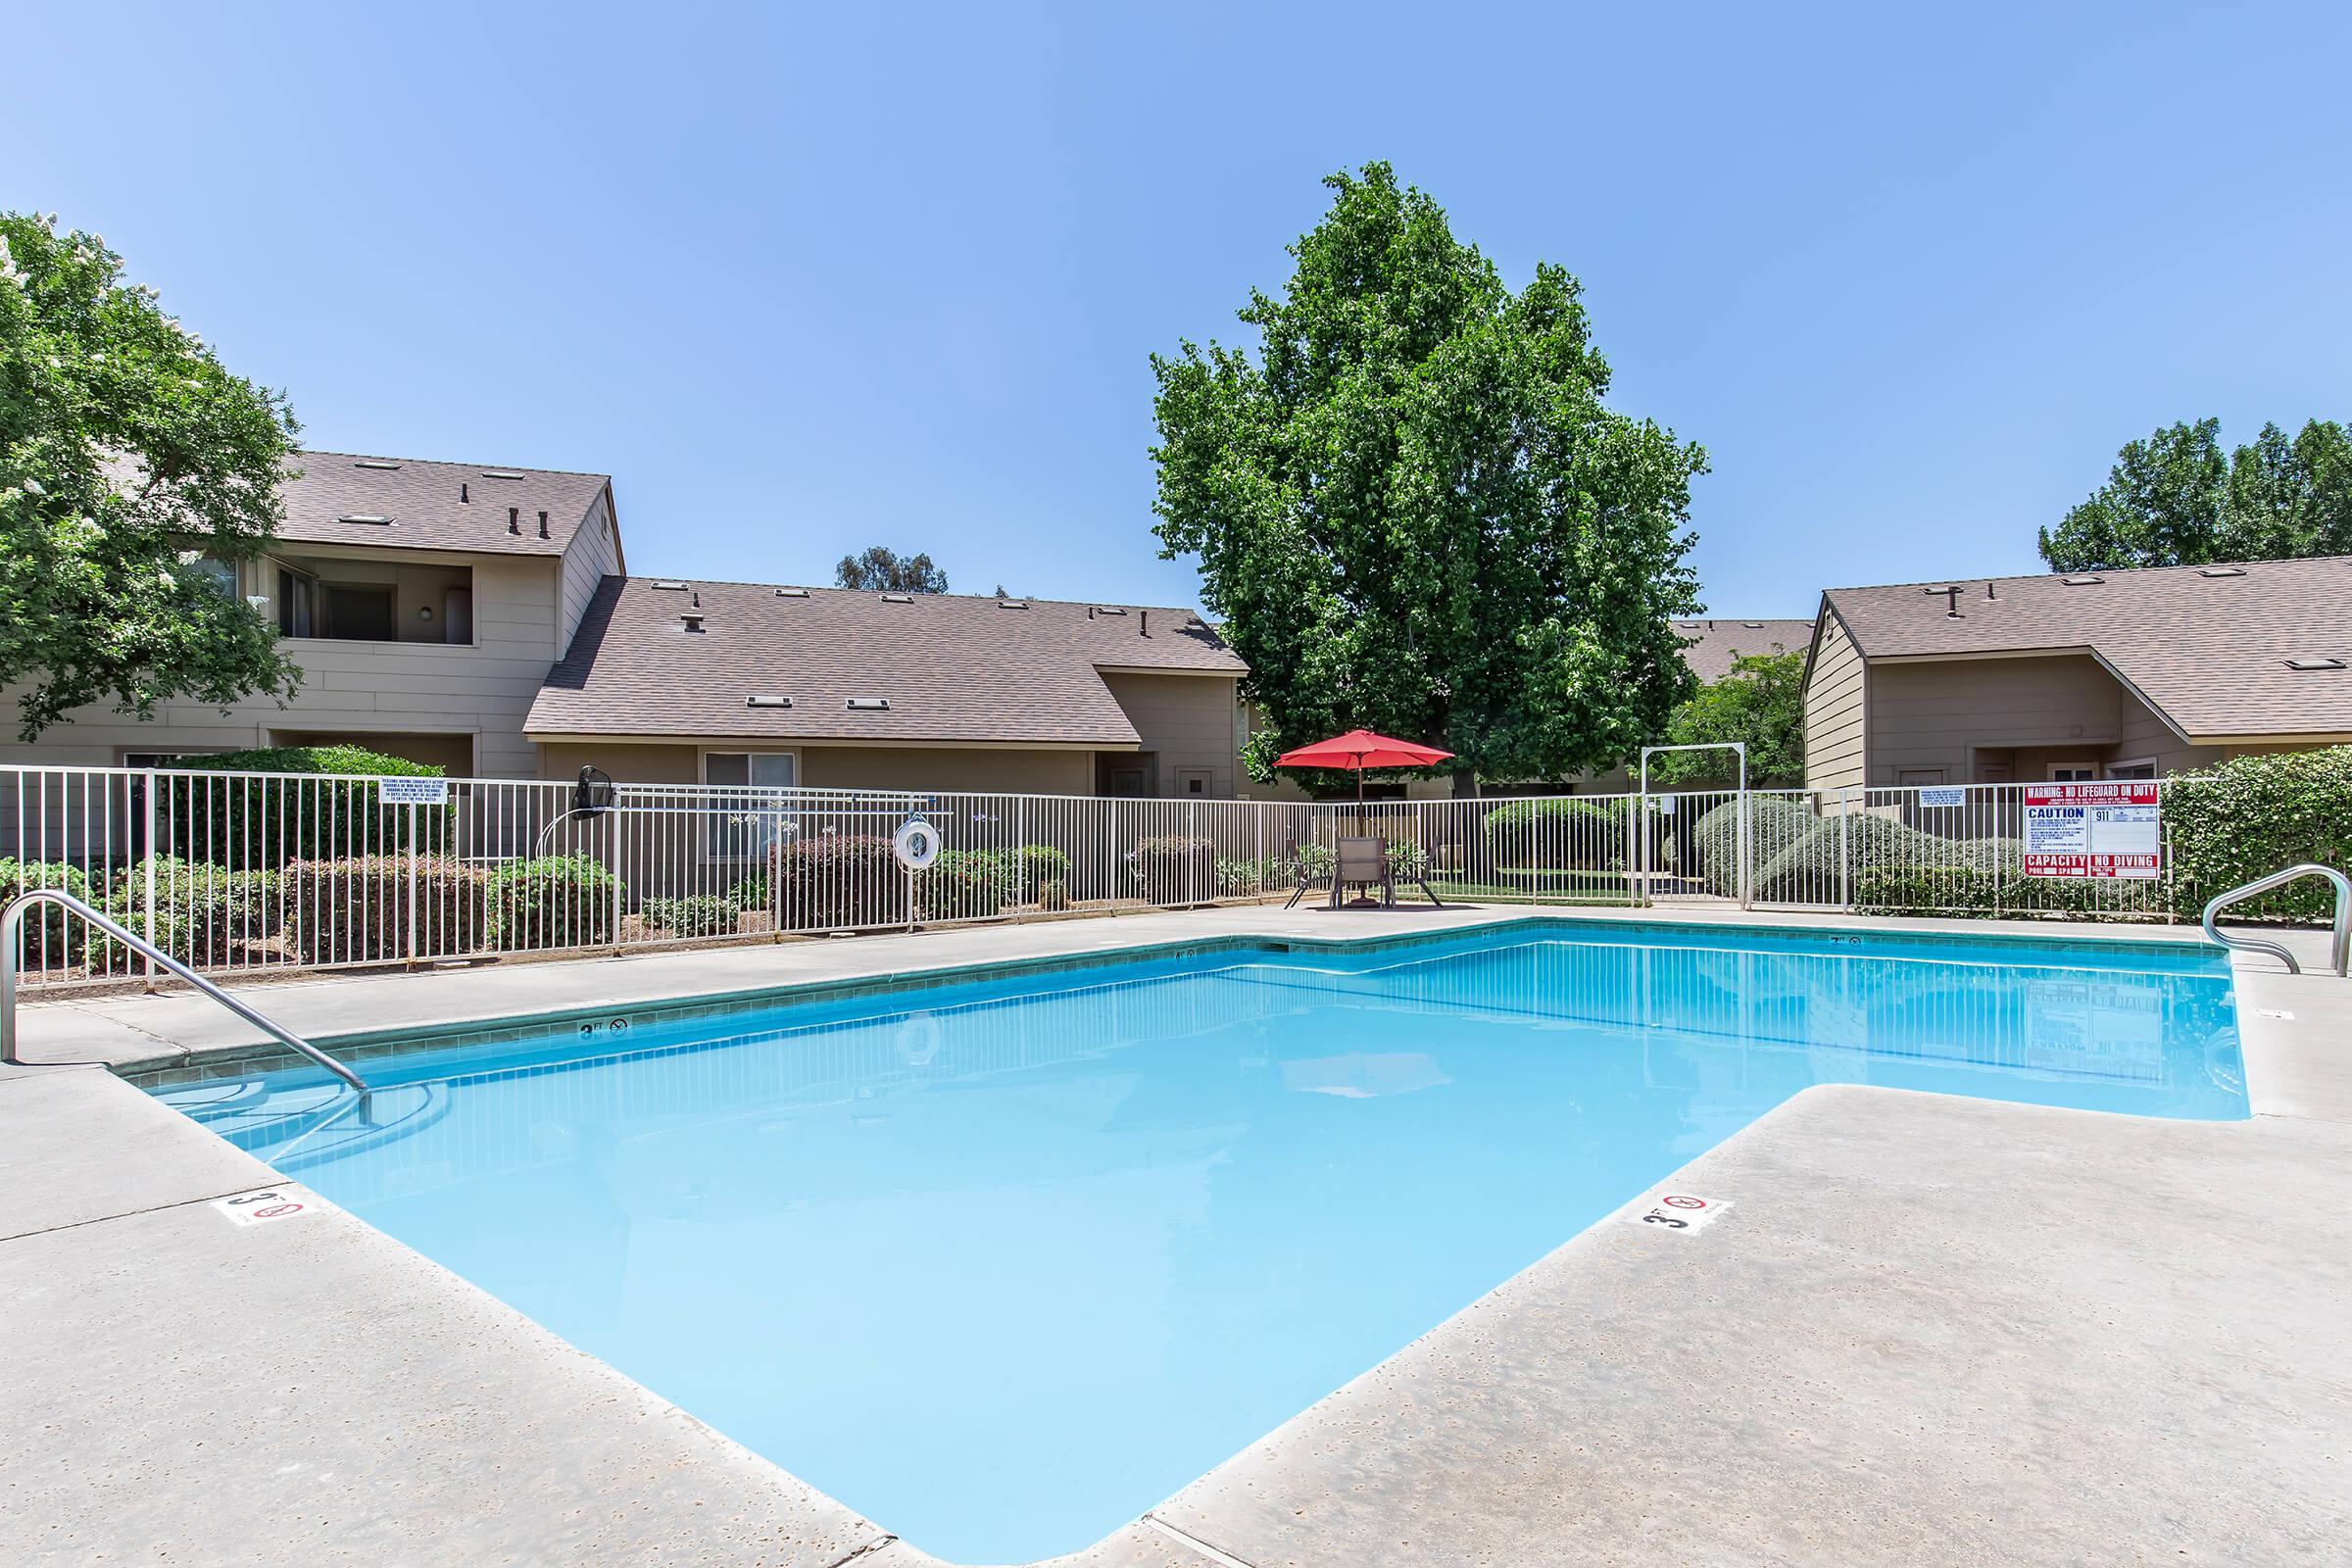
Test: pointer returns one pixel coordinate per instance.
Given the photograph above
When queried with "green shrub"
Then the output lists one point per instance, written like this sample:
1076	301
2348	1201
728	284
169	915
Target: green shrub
836	882
1316	862
266	823
48	942
357	911
2252	815
559	900
203	913
1407	859
1176	869
2006	891
1557	833
969	884
702	915
1039	864
1054	895
1249	876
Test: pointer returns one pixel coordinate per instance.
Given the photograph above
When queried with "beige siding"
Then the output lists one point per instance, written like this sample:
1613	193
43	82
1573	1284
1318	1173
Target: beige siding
1836	696
593	554
1940	713
1186	722
948	768
355	690
942	768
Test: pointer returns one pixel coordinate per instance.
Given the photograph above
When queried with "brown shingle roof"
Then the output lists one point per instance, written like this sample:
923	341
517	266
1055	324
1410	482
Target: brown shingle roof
2209	653
953	668
421	499
1708	645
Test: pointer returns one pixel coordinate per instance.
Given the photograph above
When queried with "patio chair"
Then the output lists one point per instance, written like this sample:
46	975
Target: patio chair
1364	862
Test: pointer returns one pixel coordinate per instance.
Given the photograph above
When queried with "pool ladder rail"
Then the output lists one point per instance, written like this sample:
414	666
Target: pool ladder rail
2338	954
12	930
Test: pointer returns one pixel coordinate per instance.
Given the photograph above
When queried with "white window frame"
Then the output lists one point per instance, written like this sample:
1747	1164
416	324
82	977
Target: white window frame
2148	762
2086	772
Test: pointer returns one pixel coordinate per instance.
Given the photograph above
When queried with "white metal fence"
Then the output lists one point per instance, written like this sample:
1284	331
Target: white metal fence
243	872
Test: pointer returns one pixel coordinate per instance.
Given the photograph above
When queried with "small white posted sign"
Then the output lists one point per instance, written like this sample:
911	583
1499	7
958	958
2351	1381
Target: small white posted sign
270	1203
1684	1213
407	791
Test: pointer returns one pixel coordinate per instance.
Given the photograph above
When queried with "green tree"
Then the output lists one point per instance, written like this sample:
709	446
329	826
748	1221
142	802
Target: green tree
2178	500
1413	511
1761	700
880	570
127	454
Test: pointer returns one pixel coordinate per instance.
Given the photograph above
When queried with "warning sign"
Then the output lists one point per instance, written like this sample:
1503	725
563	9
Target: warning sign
271	1202
2109	829
1678	1211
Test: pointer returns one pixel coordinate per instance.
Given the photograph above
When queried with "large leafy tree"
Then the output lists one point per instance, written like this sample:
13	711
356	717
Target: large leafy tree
2178	498
1414	512
127	454
880	570
1761	700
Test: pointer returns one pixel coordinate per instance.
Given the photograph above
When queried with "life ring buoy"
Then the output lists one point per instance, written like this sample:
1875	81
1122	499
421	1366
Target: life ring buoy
915	844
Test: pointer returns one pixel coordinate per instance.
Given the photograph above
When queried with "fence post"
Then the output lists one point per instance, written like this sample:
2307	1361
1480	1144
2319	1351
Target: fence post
1845	853
412	880
613	838
147	877
1746	840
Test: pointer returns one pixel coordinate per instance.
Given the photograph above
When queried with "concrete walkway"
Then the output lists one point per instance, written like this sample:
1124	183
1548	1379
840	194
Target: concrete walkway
1931	1330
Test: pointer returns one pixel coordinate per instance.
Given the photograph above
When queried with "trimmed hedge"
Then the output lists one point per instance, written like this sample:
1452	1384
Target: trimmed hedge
1557	833
2252	815
266	823
559	900
355	910
48	940
203	913
1774	825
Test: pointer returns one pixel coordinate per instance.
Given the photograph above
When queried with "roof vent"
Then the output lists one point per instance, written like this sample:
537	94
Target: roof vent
2082	579
897	599
513	520
374	462
500	474
1754	625
2221	571
792	593
376	517
693	622
543	533
2315	663
1012	604
868	705
1109	609
672	587
762	700
465	493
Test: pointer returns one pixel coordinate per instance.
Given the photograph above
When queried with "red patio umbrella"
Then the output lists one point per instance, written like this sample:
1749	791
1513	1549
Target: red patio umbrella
1361	749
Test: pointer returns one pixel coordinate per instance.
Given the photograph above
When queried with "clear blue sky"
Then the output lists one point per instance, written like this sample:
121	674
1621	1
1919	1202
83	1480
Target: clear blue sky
805	282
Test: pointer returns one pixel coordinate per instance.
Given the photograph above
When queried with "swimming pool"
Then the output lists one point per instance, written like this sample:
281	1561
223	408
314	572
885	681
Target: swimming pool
1004	1263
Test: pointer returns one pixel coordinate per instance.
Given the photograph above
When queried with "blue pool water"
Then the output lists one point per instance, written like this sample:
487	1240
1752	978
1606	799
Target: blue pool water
1003	1264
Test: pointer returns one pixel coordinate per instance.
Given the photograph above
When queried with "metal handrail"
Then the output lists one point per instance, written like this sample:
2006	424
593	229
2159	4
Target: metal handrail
2342	951
11	931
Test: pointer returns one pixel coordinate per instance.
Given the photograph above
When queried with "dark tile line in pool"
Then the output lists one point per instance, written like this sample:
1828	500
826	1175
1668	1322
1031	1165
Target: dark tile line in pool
237	1062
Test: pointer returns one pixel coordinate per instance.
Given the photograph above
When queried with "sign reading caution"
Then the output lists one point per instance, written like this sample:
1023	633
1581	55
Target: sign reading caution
2112	829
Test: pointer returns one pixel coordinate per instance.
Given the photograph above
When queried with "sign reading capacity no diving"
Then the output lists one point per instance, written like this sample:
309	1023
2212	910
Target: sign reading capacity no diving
2112	829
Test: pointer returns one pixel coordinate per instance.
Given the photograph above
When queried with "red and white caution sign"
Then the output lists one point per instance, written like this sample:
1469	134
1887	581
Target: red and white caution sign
1671	1208
271	1202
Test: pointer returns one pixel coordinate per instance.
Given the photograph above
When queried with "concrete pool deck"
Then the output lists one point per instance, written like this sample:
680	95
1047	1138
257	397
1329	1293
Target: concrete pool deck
1931	1330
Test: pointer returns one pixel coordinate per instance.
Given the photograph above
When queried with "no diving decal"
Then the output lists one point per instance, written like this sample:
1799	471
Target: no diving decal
1684	1213
270	1203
